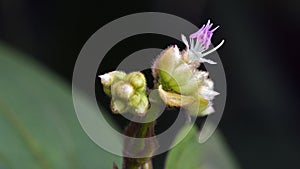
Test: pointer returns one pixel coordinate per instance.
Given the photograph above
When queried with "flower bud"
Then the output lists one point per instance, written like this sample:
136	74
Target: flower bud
108	79
143	105
107	90
137	80
118	106
125	91
135	99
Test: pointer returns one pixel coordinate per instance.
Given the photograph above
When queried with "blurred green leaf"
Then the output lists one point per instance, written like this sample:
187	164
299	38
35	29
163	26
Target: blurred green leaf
38	124
190	154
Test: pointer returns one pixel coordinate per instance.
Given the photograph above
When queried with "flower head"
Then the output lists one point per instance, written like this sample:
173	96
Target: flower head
181	84
179	81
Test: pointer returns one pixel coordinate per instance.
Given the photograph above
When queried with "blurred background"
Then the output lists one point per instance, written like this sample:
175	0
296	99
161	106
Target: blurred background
260	58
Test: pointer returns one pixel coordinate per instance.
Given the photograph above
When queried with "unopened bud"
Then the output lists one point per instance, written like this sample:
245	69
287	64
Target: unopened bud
135	99
118	106
108	79
137	80
142	107
125	91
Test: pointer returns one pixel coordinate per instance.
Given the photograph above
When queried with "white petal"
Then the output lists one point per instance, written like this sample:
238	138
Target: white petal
203	60
176	52
208	93
201	74
199	48
209	83
192	43
214	49
184	40
208	110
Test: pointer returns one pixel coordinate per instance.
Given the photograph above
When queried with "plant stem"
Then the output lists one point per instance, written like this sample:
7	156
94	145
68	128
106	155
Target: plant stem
140	147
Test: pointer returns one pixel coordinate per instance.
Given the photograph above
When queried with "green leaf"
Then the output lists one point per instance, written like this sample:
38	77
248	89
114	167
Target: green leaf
190	154
38	124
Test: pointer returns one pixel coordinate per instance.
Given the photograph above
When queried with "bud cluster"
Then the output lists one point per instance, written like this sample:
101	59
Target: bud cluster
128	91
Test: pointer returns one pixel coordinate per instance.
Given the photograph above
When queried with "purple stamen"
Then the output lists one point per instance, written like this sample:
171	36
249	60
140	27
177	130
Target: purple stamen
204	34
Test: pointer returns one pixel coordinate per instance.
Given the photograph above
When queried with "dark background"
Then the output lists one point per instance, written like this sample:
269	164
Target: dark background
260	57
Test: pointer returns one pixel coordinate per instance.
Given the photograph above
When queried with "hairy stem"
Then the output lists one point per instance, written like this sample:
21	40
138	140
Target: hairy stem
142	147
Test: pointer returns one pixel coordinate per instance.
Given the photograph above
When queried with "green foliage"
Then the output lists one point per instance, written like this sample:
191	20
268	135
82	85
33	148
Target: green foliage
190	154
38	124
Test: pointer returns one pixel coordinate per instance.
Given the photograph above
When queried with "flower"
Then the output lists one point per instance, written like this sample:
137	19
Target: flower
179	82
195	51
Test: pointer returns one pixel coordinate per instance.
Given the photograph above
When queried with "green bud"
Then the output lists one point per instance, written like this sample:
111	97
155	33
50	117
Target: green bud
142	107
108	79
137	80
114	89
107	90
118	106
135	99
125	91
